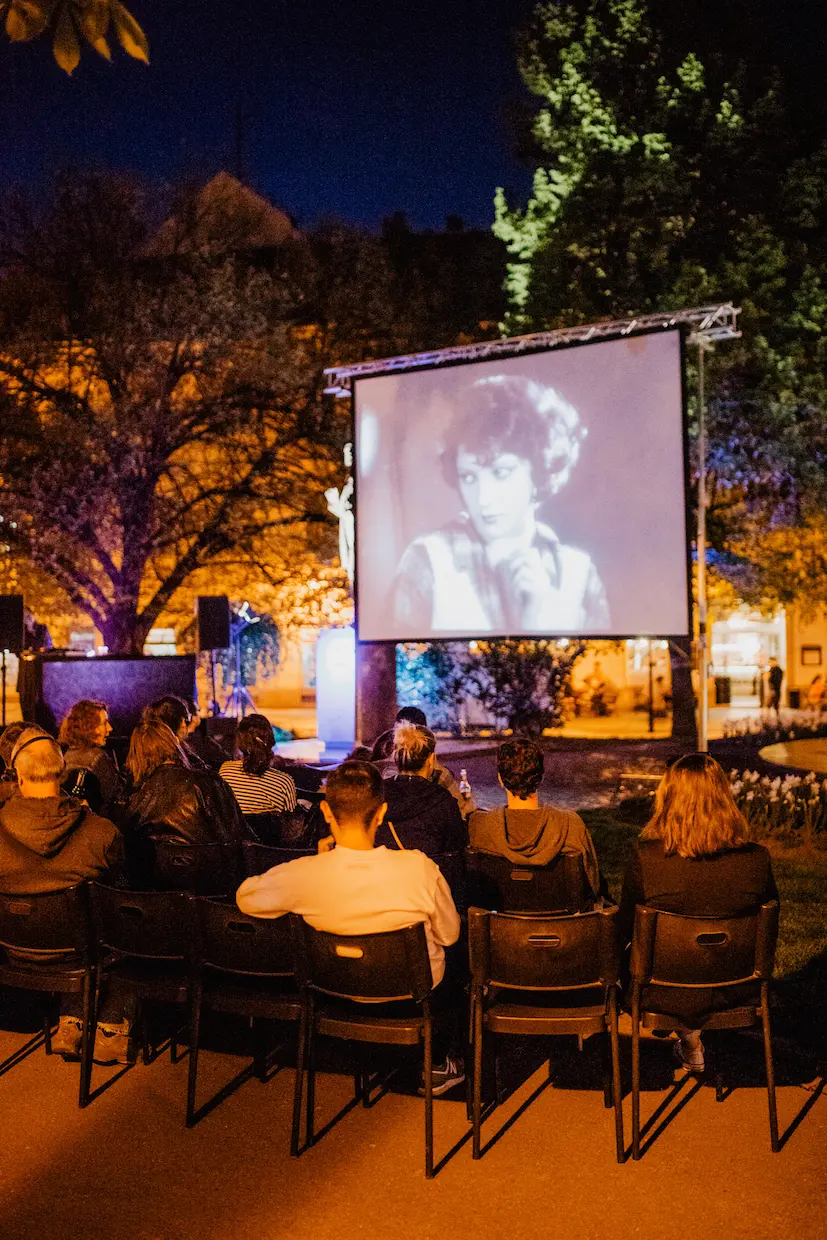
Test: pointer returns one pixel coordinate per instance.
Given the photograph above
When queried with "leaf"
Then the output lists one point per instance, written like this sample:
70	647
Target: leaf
25	20
66	46
101	47
130	36
93	18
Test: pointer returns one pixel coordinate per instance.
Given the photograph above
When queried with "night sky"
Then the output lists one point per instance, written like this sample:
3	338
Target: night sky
353	108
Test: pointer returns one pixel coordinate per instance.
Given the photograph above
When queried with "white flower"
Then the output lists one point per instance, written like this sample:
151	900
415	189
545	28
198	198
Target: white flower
750	795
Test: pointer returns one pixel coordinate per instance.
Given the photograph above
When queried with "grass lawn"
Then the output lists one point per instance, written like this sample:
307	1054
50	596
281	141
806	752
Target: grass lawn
801	875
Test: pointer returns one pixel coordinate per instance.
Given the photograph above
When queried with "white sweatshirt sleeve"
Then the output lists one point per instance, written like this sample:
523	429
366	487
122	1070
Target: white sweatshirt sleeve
265	895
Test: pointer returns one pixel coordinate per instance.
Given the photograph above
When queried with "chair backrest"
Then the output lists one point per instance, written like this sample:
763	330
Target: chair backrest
392	964
283	830
54	923
235	943
497	883
204	869
153	925
521	951
671	950
259	858
452	866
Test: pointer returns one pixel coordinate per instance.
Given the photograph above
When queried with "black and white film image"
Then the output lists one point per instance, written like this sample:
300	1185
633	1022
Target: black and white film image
542	494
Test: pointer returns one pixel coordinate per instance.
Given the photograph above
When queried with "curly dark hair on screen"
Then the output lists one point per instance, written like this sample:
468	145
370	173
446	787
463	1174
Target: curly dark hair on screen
520	767
254	741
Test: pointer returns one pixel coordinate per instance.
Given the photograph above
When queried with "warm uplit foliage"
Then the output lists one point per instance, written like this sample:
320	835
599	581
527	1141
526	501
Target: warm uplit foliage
666	178
70	23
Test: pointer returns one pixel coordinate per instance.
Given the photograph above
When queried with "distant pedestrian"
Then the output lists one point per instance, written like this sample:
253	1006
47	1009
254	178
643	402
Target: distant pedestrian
775	676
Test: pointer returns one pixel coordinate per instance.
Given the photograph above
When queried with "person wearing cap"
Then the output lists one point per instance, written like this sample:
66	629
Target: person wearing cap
48	842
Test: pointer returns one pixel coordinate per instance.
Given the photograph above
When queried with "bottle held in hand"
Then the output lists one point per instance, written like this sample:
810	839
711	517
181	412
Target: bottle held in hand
464	785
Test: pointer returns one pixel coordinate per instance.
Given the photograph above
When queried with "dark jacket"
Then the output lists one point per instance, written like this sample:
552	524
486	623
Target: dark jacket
95	759
534	837
51	843
424	815
188	807
722	884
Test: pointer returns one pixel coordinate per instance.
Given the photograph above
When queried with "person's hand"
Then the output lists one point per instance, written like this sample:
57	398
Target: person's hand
326	844
531	588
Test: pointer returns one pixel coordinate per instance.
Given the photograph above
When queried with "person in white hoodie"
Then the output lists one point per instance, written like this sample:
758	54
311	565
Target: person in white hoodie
352	887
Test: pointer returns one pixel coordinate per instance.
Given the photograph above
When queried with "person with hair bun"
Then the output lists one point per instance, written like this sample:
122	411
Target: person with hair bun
498	567
421	814
526	832
258	786
695	858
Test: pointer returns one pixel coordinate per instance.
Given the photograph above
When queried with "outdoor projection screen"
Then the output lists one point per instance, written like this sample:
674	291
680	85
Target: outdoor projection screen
542	494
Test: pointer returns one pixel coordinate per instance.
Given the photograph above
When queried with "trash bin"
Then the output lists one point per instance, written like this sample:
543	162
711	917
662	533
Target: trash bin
795	699
723	690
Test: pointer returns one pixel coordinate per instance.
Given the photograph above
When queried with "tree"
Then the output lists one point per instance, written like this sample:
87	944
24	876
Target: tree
70	22
666	179
160	417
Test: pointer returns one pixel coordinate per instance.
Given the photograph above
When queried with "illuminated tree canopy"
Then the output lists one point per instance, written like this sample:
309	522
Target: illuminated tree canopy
71	23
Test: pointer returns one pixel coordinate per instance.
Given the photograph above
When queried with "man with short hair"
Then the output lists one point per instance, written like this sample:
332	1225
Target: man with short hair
48	842
526	832
352	887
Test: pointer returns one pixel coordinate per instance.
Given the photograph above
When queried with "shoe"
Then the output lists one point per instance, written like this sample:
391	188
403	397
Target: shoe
690	1060
112	1044
445	1076
67	1037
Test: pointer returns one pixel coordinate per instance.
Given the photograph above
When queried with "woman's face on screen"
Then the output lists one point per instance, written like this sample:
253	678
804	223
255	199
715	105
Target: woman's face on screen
498	494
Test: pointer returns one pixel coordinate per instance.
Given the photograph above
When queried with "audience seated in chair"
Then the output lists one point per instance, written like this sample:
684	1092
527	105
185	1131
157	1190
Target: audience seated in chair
50	842
8	740
526	832
354	887
382	754
421	814
83	735
694	858
257	784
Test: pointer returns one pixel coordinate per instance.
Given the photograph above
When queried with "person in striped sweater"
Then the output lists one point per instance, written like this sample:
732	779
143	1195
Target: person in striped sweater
258	786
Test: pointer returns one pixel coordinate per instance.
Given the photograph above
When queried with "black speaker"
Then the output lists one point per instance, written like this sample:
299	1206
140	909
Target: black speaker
11	622
213	622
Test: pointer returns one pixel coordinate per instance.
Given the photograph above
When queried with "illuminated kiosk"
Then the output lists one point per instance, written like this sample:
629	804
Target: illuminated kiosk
529	487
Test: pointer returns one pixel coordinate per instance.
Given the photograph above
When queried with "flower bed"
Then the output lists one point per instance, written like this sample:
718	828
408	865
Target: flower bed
792	807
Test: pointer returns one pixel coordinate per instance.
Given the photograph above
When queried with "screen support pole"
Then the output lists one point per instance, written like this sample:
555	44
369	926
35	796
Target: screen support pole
703	653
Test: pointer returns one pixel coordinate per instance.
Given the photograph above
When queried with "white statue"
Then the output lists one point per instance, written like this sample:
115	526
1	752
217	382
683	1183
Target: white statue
339	503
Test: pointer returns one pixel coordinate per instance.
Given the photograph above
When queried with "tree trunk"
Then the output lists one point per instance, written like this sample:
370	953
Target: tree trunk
123	631
684	720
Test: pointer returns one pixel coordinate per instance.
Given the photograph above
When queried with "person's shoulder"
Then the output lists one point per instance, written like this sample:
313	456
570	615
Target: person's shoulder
95	824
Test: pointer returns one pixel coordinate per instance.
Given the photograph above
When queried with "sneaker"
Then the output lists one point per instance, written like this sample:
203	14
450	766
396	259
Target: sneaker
692	1060
67	1037
445	1076
112	1043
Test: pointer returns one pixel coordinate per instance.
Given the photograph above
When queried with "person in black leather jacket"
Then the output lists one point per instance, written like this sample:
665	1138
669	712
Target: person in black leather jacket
173	802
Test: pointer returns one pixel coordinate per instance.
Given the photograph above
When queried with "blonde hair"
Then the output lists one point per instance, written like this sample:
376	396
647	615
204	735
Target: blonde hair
695	814
41	763
81	723
412	745
151	745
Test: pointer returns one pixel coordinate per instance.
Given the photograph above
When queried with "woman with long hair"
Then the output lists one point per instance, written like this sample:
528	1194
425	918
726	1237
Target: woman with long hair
421	814
172	801
257	784
694	857
82	736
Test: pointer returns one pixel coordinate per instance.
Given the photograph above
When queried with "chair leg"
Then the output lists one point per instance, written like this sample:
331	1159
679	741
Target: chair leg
301	1048
636	1080
765	1023
192	1073
87	1044
606	1054
719	1087
617	1092
310	1118
428	1072
47	1026
477	1073
259	1033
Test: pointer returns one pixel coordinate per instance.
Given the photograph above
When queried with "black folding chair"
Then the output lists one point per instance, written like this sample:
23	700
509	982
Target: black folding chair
494	882
145	945
244	966
342	978
280	830
703	954
259	858
545	976
202	869
47	946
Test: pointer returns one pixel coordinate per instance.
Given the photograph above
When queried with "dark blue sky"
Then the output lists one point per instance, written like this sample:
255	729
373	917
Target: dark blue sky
353	109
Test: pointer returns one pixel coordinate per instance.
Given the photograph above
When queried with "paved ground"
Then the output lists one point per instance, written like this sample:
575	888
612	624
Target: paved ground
127	1168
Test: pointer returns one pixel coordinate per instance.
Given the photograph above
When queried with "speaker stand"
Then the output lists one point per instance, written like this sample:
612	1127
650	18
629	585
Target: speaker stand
215	709
4	687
